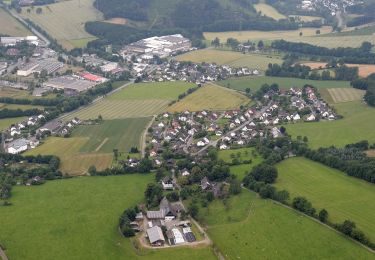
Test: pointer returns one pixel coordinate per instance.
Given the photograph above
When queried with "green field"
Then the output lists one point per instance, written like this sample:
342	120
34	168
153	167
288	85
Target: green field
358	124
231	58
77	219
269	11
136	100
252	228
121	134
156	90
10	26
7	122
210	97
343	196
255	82
65	21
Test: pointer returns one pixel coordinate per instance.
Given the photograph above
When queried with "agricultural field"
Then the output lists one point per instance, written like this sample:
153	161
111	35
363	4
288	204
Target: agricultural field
73	162
358	124
255	82
308	36
210	97
10	26
75	13
136	100
247	227
339	95
121	134
269	11
363	69
77	219
344	197
231	58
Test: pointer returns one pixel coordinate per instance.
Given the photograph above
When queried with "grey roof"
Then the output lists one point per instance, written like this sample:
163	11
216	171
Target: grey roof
16	144
155	234
155	214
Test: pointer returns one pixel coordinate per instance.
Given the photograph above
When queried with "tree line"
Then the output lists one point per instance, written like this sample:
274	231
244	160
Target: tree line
367	84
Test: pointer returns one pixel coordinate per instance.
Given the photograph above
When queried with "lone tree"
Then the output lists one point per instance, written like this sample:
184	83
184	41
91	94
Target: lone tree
323	215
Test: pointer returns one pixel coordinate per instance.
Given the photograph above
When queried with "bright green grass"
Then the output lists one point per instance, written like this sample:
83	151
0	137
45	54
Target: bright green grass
158	90
358	124
252	228
255	82
119	133
7	122
77	219
343	196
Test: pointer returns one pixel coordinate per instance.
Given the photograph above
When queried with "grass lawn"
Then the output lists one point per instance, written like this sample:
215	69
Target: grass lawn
231	58
65	21
358	124
156	90
344	197
7	122
210	97
251	228
73	162
255	82
269	11
10	26
77	219
121	134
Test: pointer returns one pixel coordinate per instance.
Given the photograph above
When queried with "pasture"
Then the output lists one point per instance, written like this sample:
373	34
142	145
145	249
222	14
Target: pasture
247	227
77	219
112	134
255	82
73	162
308	36
10	26
231	58
339	95
65	21
363	69
136	100
210	97
358	124
344	197
269	11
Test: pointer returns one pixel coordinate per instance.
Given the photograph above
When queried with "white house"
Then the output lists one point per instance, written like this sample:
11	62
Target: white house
310	118
17	146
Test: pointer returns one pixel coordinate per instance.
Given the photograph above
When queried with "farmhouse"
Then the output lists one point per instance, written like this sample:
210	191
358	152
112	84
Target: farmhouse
155	235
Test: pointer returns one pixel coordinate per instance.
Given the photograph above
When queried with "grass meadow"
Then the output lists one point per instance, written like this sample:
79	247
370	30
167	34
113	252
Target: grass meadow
358	124
10	26
339	95
210	97
247	227
255	82
134	101
231	58
344	197
65	21
269	11
121	134
77	219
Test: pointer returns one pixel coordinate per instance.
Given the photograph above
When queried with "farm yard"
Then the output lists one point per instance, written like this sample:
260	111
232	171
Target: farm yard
231	58
344	197
358	124
210	97
308	36
269	11
255	82
136	100
247	227
10	26
70	33
121	134
73	162
53	215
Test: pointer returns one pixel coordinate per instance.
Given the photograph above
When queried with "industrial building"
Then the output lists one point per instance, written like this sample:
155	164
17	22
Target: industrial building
37	66
12	41
162	46
70	84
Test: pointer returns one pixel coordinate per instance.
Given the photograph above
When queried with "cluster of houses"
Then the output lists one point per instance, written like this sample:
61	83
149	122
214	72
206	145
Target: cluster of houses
19	138
191	72
331	5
